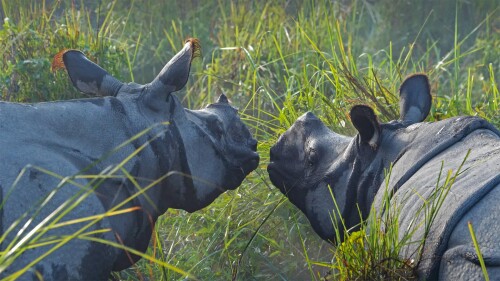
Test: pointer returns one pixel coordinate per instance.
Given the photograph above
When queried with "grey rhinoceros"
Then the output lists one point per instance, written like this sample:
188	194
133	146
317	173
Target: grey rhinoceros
310	164
151	154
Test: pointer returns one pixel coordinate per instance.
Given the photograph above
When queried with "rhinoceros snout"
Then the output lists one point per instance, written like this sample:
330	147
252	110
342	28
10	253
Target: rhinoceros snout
238	172
273	153
274	167
250	158
251	164
247	158
252	143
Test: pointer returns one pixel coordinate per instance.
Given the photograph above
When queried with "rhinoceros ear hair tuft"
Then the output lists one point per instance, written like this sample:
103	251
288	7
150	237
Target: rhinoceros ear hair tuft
196	45
85	75
57	61
364	120
415	99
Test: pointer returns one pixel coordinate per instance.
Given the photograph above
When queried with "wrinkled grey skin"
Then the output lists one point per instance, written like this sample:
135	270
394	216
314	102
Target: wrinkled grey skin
194	155
310	163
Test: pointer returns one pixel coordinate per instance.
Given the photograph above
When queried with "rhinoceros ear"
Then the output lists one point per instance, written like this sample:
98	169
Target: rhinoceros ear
85	75
364	120
415	99
174	74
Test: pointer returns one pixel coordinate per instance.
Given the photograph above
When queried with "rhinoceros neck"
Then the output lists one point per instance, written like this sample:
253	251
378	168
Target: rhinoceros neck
161	150
362	182
358	173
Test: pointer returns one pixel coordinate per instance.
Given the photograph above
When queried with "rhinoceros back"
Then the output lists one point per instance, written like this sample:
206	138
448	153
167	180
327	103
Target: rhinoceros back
40	145
37	195
436	149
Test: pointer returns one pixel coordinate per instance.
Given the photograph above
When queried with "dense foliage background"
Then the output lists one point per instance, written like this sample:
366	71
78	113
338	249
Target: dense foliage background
275	60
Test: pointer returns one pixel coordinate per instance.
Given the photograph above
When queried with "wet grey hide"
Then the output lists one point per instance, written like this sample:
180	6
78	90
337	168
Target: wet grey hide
152	154
310	163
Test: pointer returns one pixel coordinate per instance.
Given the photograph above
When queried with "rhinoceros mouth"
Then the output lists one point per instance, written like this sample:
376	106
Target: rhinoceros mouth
250	164
278	178
237	173
272	169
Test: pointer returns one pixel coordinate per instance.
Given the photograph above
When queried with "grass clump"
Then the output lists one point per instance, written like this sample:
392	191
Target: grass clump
382	249
33	33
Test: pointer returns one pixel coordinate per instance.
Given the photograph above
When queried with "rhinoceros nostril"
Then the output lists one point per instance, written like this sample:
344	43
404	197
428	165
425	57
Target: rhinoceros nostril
255	161
250	164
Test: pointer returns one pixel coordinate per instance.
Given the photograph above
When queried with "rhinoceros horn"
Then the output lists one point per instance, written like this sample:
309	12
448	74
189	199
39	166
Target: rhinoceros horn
222	99
85	75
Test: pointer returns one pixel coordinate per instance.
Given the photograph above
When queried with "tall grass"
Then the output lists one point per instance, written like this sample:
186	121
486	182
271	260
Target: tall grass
275	61
381	249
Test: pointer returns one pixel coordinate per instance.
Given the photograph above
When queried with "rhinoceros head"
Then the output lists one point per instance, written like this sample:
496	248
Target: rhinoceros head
220	162
206	151
311	164
300	157
233	139
299	164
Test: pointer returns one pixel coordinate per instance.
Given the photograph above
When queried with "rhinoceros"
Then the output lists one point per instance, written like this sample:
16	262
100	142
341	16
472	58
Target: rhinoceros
151	154
317	168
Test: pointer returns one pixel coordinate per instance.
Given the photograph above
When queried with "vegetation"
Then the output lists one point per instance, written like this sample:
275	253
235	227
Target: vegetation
275	60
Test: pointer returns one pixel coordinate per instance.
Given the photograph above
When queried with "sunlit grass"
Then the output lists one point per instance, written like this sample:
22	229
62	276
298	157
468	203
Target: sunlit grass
478	251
